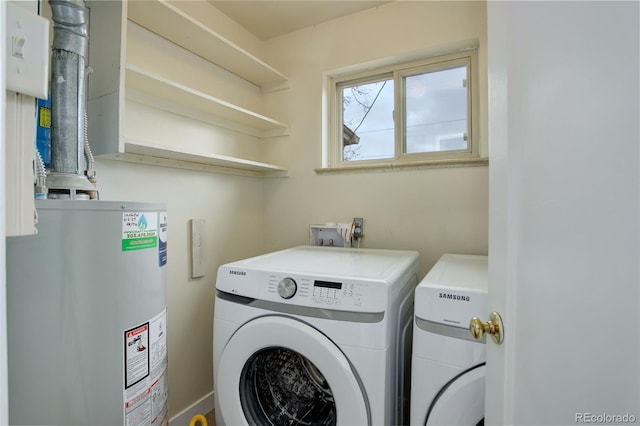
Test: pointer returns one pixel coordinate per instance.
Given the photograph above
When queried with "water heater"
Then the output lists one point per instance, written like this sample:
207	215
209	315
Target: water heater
86	315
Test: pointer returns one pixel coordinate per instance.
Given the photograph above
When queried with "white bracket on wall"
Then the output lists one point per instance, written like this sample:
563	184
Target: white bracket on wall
198	264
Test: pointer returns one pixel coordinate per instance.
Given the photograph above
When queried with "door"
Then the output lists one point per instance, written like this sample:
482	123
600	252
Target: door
280	371
4	392
564	212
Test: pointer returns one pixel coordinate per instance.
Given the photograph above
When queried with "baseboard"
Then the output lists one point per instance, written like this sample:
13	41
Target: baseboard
202	406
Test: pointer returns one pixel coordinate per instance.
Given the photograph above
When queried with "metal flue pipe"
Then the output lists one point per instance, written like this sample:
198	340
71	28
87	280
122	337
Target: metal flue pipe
68	94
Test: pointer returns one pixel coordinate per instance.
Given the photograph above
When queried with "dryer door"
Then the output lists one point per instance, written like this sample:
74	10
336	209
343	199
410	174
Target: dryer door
461	401
280	371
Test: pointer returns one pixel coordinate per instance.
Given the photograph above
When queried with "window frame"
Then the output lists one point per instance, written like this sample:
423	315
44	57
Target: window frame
396	72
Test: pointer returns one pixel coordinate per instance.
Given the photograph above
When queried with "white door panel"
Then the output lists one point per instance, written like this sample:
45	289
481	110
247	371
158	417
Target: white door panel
4	397
564	211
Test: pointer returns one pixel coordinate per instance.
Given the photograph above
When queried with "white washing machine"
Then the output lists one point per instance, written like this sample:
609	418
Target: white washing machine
314	336
447	364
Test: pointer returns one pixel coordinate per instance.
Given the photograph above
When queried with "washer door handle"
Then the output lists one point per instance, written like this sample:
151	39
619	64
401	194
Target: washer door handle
493	327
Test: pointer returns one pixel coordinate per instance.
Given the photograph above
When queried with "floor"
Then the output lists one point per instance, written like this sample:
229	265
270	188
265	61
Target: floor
211	418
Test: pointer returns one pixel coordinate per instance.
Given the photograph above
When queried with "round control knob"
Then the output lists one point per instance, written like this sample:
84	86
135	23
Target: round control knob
287	287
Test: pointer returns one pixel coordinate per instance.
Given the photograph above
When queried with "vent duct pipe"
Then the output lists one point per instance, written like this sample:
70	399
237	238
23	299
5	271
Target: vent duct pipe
68	99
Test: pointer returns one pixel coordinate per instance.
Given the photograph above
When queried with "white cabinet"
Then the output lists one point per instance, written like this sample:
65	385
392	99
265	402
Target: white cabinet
120	78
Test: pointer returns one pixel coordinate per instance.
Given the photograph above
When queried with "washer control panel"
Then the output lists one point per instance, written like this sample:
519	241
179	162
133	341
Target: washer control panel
331	292
327	294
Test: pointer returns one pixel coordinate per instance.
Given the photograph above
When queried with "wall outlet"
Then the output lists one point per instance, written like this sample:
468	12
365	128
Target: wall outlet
358	229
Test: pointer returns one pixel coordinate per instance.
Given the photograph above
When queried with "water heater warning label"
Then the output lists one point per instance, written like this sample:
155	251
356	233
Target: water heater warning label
137	354
139	230
145	373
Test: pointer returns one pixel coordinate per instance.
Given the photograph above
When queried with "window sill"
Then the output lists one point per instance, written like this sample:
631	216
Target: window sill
398	166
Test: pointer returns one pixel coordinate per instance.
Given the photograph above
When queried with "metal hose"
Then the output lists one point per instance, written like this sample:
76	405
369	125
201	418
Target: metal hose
91	162
41	176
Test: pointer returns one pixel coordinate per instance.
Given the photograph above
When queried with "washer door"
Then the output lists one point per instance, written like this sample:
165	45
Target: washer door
280	371
461	400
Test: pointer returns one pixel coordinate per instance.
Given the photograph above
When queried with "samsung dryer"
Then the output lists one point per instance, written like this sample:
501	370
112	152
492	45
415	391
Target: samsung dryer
448	365
314	336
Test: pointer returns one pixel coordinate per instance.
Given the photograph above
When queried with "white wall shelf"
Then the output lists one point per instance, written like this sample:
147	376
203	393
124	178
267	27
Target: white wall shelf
136	151
114	80
166	20
174	97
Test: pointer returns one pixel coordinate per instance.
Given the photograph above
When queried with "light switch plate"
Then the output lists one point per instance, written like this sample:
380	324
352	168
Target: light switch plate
198	266
27	52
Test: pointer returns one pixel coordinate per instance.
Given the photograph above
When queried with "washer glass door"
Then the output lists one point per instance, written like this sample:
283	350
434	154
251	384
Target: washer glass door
279	386
276	370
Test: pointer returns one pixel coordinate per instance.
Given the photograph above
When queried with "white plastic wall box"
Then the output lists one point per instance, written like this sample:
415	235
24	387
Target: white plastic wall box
27	52
322	235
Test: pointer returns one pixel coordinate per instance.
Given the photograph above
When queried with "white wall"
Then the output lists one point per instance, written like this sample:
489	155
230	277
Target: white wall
433	210
232	208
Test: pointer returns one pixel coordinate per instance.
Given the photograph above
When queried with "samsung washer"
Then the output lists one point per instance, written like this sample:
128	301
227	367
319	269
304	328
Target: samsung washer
314	336
448	365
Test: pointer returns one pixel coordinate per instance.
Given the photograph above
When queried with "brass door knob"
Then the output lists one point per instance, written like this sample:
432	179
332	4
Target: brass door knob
493	327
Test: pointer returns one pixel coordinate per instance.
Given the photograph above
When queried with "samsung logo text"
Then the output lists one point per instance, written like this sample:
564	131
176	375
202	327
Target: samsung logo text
450	296
232	272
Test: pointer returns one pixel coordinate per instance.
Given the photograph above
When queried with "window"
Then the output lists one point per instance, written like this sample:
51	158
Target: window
413	113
